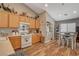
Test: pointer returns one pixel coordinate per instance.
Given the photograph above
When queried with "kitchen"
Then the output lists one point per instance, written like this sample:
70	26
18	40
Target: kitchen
28	29
18	28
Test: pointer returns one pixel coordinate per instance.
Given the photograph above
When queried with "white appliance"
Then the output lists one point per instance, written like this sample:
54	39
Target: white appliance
26	38
26	41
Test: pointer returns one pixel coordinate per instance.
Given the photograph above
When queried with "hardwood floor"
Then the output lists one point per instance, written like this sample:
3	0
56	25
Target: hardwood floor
50	49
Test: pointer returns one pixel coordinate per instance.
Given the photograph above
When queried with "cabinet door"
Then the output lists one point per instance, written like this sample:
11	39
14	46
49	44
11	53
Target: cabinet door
22	19
3	19
37	23
13	20
16	42
32	23
36	38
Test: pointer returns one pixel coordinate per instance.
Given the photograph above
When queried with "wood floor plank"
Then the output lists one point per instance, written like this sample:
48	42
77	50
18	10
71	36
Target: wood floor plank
50	49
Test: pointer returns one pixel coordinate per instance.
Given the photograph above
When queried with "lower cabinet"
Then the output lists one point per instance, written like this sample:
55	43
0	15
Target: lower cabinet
36	38
15	41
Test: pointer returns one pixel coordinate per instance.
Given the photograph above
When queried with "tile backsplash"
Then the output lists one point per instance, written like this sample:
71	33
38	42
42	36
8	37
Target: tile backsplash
5	31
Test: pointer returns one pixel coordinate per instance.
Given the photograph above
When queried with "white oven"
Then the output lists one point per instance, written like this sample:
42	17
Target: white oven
26	40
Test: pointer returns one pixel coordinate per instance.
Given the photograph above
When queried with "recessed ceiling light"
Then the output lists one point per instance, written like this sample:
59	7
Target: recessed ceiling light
46	5
59	15
74	12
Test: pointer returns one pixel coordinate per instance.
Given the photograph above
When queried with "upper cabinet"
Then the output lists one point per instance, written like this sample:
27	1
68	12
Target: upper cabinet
32	23
3	19
38	23
28	20
13	21
22	19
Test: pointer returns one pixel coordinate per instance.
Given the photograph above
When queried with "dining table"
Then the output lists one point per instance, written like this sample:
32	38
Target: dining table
68	40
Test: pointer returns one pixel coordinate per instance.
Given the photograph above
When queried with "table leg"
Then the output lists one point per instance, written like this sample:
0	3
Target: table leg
72	39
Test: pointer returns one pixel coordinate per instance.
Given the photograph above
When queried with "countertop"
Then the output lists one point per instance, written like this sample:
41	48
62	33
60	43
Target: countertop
6	47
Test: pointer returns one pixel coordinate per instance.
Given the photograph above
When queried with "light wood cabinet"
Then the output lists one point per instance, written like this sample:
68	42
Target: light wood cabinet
22	19
15	41
36	38
37	23
27	20
13	21
3	19
32	23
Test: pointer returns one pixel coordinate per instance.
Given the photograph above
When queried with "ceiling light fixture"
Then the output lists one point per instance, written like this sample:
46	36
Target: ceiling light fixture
59	15
74	12
46	5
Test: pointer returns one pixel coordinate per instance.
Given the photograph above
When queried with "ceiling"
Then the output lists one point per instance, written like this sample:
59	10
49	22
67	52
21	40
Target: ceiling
58	11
